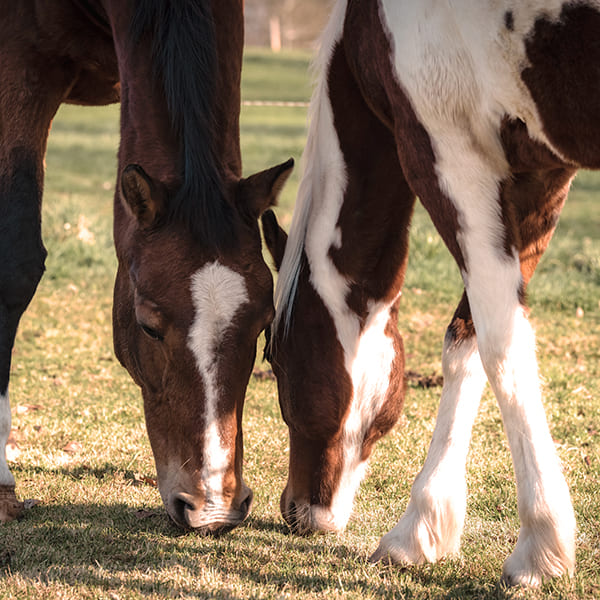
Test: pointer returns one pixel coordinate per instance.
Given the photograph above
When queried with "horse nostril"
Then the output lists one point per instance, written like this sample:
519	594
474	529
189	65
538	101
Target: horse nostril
182	506
246	505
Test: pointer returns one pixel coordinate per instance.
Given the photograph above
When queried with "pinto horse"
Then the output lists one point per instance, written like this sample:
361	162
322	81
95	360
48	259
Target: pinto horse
483	110
192	291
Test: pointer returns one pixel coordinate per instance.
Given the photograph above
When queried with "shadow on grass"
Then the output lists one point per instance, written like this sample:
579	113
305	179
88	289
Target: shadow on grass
110	548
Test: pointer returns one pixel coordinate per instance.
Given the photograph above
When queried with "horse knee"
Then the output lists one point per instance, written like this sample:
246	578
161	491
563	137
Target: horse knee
20	278
508	340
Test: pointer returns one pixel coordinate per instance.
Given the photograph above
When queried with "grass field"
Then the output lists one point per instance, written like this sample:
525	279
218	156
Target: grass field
100	530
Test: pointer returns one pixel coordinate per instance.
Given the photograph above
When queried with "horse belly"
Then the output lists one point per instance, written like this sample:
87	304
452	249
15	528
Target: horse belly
563	78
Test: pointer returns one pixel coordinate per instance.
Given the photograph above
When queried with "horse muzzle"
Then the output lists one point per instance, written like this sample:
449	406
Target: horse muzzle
207	517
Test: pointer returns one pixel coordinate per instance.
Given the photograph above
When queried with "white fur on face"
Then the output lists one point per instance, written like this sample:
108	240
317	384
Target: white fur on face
6	477
320	200
371	363
218	293
368	354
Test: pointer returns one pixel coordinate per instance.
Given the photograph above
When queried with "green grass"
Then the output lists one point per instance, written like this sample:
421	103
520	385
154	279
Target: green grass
100	530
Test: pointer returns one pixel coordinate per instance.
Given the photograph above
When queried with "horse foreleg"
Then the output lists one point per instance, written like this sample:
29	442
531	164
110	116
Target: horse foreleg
546	545
10	507
432	525
21	268
495	279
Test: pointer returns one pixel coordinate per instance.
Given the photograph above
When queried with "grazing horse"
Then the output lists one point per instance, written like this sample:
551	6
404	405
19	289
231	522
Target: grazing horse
192	291
484	110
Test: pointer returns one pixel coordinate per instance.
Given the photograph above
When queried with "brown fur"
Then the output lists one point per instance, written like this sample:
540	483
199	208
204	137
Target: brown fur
564	80
82	52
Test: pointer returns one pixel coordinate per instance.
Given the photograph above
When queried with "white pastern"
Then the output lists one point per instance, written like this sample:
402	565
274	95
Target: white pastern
6	477
432	525
218	293
432	44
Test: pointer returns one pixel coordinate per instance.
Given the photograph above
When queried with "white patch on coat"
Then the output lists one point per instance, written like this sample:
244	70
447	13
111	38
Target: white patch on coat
368	354
218	293
370	369
433	521
459	64
6	477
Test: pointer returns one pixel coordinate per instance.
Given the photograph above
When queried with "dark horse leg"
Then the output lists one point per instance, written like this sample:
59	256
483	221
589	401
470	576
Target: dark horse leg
429	530
31	93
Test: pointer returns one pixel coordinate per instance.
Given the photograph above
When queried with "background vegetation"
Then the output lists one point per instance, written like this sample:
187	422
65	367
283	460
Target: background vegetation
80	447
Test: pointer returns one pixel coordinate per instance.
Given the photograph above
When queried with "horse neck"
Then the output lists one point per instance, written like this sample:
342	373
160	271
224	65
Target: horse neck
146	125
229	22
354	208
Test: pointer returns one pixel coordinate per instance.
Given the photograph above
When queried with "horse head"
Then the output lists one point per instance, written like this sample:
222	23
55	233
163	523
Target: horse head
186	319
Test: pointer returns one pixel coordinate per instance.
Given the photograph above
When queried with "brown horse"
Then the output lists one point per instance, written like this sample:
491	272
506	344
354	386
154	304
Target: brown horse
484	110
192	291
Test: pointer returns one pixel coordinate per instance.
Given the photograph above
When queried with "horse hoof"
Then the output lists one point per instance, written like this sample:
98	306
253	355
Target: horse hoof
10	507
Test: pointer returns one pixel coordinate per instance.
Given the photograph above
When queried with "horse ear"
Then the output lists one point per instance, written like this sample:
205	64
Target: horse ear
275	237
256	193
140	196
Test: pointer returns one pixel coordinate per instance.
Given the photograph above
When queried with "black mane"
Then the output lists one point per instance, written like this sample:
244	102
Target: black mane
185	60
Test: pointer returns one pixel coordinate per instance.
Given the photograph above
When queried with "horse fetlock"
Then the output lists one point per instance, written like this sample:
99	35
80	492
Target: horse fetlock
535	560
422	535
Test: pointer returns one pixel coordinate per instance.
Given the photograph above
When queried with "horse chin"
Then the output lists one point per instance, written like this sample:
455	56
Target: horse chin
304	518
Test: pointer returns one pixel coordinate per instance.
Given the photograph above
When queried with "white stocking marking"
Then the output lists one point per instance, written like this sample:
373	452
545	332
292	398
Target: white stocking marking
461	71
432	524
6	477
546	544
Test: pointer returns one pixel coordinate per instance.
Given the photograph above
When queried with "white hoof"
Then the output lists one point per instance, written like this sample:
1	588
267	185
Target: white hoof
537	558
394	553
416	540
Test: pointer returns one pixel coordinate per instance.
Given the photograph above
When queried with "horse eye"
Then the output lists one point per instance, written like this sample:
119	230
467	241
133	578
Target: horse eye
151	333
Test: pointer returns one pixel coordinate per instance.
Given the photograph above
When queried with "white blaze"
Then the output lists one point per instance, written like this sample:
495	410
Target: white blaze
218	293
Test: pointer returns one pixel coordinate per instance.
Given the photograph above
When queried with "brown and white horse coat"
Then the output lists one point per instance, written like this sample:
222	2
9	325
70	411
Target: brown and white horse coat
483	110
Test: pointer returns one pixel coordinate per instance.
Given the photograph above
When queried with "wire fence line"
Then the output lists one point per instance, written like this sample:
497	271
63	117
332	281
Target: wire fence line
276	103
